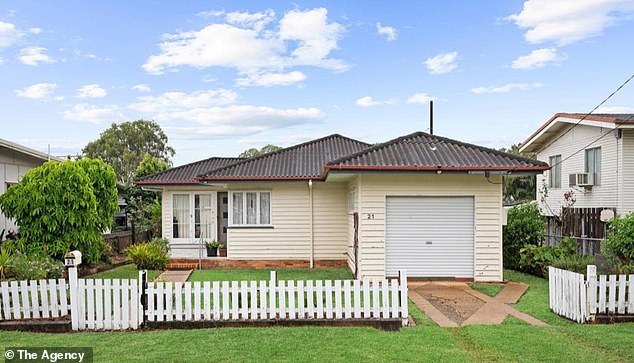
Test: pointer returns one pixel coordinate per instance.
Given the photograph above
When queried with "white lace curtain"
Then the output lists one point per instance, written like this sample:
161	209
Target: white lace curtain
181	216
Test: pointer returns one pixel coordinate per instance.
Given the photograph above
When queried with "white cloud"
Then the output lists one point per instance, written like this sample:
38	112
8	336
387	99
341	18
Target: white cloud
93	113
614	109
568	21
91	91
442	63
9	34
506	88
177	101
35	30
315	38
538	58
32	56
143	88
255	21
420	98
216	114
37	91
271	79
252	42
368	101
387	31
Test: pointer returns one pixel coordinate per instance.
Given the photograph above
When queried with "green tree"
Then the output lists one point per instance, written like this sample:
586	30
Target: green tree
519	188
124	146
619	245
525	226
143	205
61	206
249	153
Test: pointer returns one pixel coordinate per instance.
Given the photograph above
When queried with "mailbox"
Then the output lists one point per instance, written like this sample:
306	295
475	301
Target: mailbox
72	259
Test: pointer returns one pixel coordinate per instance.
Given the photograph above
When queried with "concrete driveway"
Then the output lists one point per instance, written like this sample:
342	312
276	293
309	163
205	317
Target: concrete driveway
452	304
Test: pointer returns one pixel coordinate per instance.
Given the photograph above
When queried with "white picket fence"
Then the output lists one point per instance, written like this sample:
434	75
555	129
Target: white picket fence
33	299
108	304
273	299
580	298
567	294
116	304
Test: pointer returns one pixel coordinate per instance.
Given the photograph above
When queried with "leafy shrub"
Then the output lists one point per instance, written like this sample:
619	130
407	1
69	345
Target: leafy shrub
574	263
5	262
34	267
619	245
150	256
525	226
569	246
62	206
536	259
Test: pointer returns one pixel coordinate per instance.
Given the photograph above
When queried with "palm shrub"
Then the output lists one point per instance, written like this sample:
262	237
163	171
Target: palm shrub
525	226
152	255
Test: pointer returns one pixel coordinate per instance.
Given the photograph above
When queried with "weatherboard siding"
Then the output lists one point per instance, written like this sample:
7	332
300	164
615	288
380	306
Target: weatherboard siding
374	189
289	238
604	195
626	184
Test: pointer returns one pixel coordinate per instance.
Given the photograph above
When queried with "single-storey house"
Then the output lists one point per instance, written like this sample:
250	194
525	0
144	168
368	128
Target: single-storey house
423	203
15	161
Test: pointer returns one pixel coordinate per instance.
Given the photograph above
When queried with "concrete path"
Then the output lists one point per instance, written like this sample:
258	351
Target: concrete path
175	275
452	304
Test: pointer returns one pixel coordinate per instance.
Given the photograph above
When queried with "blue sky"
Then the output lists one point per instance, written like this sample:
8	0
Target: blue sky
224	76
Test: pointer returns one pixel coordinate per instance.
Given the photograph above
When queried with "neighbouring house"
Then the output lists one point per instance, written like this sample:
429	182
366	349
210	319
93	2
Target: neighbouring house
592	161
423	203
15	161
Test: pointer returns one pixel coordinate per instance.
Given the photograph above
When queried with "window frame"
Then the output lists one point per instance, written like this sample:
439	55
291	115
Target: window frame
258	199
352	201
554	177
191	221
597	162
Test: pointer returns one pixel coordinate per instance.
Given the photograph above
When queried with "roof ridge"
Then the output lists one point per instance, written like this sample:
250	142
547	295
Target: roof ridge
439	138
283	150
238	159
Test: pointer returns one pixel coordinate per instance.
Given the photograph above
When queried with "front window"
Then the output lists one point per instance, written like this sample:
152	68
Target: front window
593	164
555	172
250	208
193	216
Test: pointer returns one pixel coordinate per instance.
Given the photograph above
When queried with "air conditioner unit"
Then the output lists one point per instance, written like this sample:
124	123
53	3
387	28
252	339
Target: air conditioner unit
581	179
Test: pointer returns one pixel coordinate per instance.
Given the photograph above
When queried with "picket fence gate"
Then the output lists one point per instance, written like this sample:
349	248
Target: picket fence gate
581	298
273	299
119	304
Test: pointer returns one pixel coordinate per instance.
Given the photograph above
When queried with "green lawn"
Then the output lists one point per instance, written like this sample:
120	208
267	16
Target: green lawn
513	341
124	272
489	289
265	274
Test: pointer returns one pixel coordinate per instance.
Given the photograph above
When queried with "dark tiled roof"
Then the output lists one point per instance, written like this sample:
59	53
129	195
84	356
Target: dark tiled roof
186	174
422	151
303	161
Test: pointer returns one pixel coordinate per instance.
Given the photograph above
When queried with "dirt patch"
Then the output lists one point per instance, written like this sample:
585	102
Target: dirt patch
454	303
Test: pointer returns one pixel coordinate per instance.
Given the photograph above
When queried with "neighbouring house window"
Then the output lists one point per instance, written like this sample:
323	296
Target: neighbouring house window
352	201
250	208
593	164
181	216
555	172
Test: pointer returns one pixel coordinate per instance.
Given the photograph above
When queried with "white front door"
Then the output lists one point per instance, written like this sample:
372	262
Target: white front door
193	217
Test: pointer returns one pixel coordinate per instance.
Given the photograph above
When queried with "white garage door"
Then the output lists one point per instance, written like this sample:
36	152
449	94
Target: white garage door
430	236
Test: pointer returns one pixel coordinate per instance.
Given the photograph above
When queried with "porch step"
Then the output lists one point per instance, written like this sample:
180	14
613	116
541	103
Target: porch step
182	266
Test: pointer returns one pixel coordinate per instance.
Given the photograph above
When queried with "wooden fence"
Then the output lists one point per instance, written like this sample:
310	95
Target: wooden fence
33	299
119	304
567	294
581	298
284	300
